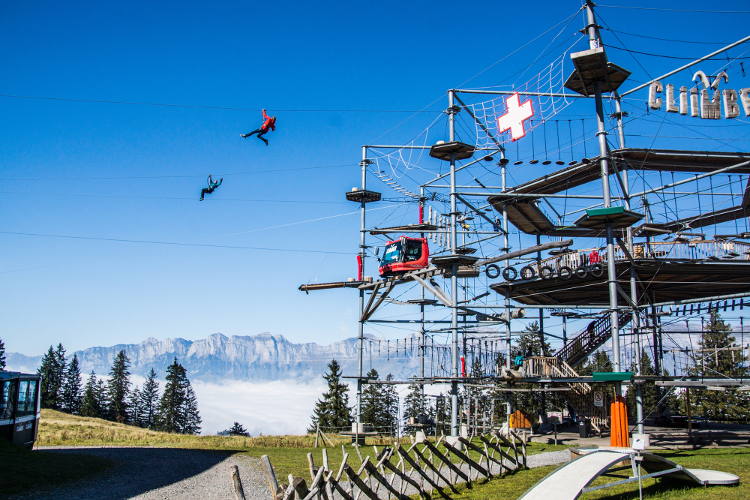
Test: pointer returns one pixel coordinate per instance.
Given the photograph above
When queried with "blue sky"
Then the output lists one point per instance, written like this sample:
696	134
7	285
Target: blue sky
134	172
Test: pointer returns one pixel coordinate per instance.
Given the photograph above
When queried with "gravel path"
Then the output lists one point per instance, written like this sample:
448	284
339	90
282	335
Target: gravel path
171	473
548	458
161	473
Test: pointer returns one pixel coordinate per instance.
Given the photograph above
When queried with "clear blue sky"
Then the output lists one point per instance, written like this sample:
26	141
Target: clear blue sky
134	172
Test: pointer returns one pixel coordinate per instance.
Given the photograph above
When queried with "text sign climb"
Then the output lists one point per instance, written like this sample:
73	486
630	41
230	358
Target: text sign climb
514	117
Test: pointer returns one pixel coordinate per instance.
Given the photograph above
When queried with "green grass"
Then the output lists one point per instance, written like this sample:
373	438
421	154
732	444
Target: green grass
22	470
288	455
734	460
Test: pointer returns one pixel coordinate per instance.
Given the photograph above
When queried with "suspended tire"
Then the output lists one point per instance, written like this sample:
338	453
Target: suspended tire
597	270
492	271
580	271
527	273
564	273
510	274
546	272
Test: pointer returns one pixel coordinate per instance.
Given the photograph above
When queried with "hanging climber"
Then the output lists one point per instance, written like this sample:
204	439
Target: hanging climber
211	186
268	122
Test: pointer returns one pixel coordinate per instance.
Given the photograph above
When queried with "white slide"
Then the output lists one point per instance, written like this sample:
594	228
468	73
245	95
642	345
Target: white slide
568	482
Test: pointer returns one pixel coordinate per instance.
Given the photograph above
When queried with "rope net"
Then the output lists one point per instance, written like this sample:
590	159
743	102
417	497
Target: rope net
549	81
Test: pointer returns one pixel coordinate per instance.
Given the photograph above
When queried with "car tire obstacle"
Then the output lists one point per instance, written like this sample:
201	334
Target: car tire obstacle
526	273
396	472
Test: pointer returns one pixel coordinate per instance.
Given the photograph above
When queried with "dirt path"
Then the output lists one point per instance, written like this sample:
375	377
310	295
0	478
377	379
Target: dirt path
161	473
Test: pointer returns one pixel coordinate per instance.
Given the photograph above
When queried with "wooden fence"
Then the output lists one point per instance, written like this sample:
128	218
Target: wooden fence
394	472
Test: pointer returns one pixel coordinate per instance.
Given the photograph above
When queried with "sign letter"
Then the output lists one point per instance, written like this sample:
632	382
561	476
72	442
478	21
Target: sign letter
731	108
653	101
745	98
671	106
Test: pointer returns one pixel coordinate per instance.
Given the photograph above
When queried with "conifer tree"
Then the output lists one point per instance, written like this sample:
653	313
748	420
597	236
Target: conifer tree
2	355
52	371
150	400
649	394
90	405
191	419
415	404
178	407
598	362
372	396
389	407
719	358
135	407
332	411
237	430
100	393
71	393
172	400
118	387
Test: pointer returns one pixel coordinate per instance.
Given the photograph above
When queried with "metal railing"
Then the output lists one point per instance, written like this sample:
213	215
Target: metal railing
585	258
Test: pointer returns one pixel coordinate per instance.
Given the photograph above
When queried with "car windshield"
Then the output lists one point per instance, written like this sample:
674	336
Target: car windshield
392	253
413	250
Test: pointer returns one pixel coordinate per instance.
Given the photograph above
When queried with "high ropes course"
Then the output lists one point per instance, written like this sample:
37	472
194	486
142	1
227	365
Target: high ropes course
611	214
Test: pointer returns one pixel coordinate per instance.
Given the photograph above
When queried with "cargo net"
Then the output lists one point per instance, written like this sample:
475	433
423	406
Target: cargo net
549	81
392	167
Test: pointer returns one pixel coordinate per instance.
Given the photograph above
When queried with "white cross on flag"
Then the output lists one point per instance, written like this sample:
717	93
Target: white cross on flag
513	119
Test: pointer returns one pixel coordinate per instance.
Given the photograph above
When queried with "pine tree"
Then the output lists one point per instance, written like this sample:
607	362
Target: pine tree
135	407
237	430
191	419
178	407
71	392
718	359
389	407
91	405
372	396
599	362
172	400
150	400
2	355
118	387
649	393
530	343
415	404
52	371
100	393
332	411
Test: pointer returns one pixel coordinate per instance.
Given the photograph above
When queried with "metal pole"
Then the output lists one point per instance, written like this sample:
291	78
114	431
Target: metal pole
421	310
362	249
506	249
633	276
454	277
602	137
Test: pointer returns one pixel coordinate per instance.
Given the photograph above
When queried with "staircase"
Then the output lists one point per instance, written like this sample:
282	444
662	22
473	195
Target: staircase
590	339
580	395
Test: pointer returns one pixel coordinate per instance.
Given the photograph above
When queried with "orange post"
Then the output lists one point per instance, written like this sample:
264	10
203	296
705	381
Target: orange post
619	436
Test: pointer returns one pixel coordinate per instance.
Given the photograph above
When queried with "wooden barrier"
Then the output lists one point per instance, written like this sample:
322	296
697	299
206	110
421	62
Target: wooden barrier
395	472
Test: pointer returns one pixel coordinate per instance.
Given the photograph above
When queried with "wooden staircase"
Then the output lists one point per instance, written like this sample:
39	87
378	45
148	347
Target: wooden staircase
580	395
590	339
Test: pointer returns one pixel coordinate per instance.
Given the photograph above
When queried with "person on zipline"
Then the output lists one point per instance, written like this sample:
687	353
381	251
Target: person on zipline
211	186
268	122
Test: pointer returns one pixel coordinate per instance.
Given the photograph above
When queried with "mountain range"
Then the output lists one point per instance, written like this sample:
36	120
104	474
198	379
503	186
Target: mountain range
263	357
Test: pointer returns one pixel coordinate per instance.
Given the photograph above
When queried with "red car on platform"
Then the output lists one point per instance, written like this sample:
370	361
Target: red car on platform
403	255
